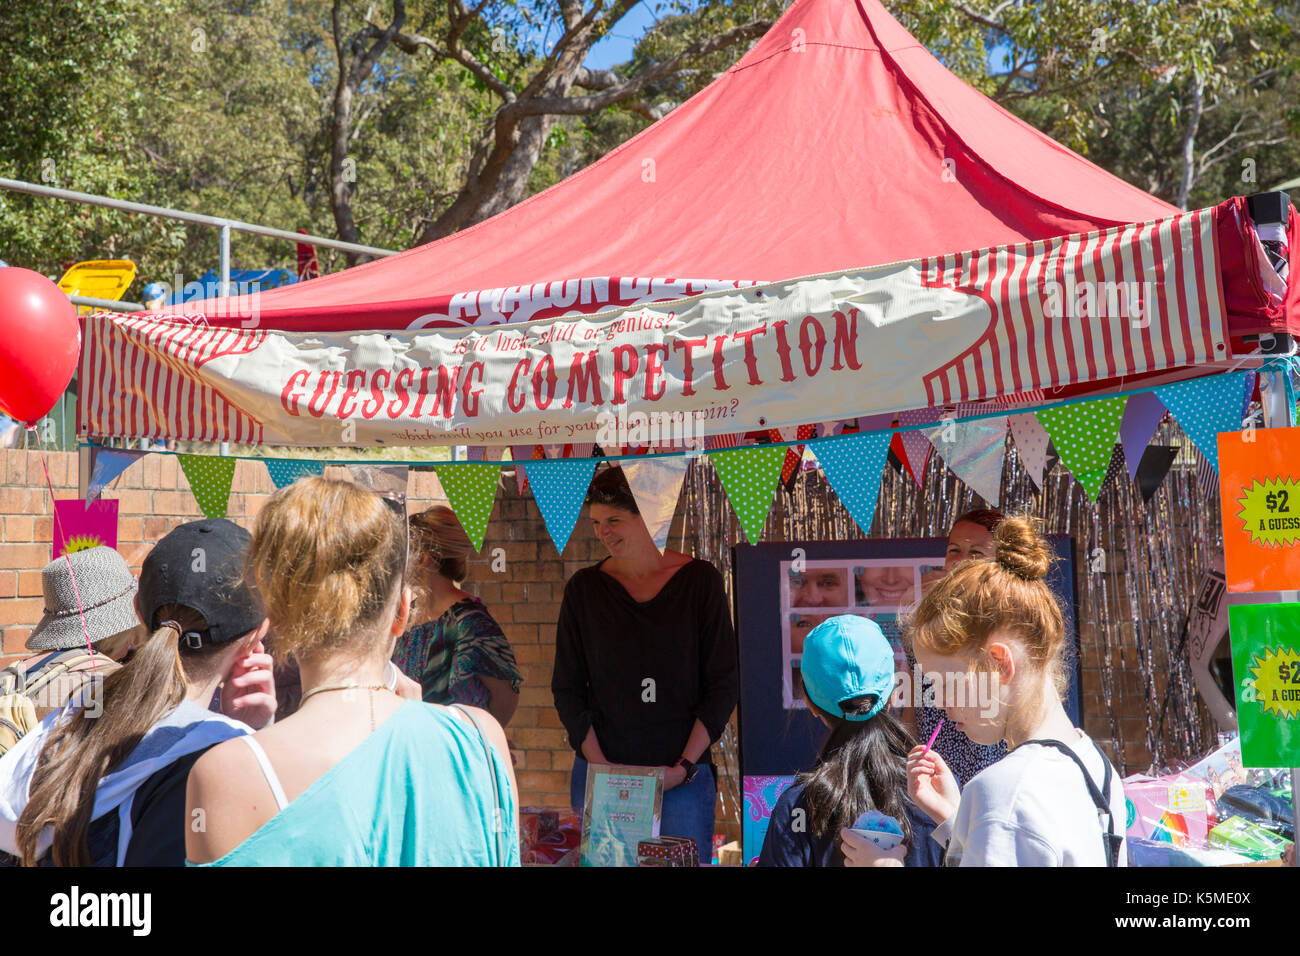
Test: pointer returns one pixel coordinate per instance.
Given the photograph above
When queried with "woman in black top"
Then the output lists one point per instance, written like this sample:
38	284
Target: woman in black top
645	663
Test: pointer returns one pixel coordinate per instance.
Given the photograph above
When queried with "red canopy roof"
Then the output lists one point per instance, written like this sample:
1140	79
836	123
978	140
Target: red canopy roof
837	142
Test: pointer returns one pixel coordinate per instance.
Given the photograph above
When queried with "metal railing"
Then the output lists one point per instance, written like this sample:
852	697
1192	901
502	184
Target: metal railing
218	222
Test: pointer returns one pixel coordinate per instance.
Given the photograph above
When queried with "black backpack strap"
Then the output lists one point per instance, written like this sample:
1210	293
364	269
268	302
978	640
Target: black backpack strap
1110	841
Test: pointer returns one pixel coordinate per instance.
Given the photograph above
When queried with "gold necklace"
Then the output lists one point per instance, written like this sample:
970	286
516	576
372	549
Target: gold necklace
370	687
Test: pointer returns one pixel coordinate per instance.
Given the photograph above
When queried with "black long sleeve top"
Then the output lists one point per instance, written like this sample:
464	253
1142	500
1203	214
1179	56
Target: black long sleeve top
641	673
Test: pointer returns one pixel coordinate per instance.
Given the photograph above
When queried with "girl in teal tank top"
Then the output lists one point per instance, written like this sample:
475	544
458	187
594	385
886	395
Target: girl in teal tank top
375	780
416	792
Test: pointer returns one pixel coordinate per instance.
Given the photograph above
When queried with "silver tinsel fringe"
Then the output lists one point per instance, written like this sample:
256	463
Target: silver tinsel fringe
1136	568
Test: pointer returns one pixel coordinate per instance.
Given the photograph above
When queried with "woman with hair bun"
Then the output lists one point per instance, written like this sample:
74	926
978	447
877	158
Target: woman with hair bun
971	537
454	648
992	636
355	776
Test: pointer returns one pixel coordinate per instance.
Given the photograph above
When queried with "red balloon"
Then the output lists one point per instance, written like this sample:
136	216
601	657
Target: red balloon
40	340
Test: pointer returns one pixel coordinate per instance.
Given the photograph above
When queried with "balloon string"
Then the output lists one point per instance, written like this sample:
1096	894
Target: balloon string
58	533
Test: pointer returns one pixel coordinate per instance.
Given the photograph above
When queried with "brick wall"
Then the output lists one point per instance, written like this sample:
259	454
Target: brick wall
524	596
153	497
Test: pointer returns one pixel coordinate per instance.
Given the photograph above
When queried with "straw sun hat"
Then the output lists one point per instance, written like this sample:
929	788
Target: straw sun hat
106	589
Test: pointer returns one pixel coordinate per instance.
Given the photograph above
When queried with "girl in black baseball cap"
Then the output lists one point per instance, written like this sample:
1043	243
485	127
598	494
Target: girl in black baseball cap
104	783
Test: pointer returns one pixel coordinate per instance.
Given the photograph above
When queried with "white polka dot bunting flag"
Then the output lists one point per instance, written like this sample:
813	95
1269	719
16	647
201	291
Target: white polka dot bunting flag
471	491
210	478
285	471
853	465
1031	445
1206	406
749	477
1084	434
560	488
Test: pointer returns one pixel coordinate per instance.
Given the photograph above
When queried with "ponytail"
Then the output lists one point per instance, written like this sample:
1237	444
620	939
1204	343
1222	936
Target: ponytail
862	766
92	742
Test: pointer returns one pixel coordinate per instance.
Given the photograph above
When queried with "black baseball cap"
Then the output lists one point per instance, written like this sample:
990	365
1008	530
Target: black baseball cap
200	565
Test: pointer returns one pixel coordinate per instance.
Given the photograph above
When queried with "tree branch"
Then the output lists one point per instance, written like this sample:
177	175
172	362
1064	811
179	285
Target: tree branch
614	89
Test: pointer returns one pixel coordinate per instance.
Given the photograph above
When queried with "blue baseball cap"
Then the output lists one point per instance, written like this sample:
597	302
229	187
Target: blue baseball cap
846	657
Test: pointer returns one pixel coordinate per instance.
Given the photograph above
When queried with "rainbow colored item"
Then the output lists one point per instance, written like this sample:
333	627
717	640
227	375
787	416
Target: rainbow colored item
1167	810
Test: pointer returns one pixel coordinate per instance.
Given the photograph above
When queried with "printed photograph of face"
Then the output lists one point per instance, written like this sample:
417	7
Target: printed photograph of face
884	586
820	587
800	625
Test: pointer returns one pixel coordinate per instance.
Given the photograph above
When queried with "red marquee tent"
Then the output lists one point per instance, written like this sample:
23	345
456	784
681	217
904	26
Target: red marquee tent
837	161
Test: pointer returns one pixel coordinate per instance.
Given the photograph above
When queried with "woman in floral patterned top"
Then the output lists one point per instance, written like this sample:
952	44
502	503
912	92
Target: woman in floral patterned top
454	648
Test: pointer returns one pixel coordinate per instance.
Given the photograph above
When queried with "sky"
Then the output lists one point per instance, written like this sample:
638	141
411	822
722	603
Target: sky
617	47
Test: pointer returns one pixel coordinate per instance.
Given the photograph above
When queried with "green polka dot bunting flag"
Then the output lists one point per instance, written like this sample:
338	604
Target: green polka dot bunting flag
285	471
749	477
560	488
210	478
1084	434
471	491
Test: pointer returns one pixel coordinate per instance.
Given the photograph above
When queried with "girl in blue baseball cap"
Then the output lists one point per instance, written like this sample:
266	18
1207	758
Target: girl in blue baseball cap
848	679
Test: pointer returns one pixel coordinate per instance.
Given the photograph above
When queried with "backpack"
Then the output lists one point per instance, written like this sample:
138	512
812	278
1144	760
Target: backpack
18	690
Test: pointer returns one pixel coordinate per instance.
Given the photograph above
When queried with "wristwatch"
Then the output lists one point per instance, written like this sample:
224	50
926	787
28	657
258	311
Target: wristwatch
690	768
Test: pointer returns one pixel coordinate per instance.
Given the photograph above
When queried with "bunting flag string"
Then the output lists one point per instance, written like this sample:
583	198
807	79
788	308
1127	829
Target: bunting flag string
471	490
1152	469
1084	434
1142	416
974	451
656	485
285	471
853	465
1206	406
1032	445
210	478
106	464
560	489
749	477
916	446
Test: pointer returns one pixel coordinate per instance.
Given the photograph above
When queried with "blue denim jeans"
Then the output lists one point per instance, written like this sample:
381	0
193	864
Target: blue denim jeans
687	810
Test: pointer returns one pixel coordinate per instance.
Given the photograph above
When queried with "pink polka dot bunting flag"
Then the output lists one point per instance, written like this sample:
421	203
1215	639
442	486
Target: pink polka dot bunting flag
1031	445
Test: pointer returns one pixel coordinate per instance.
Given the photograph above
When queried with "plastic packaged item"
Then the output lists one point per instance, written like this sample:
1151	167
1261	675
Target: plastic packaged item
1143	852
1241	836
1167	810
1260	807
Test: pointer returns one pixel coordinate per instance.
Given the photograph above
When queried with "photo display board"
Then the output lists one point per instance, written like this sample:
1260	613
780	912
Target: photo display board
785	589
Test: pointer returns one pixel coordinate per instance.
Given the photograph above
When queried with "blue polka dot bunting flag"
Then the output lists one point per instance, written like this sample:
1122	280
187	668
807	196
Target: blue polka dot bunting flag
285	471
1084	434
853	464
210	478
749	477
471	491
560	488
1206	406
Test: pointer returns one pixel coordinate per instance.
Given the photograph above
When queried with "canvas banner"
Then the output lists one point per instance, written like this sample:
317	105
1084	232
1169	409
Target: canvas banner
960	328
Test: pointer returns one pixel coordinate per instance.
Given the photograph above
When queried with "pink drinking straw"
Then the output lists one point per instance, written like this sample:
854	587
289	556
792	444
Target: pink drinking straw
930	742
